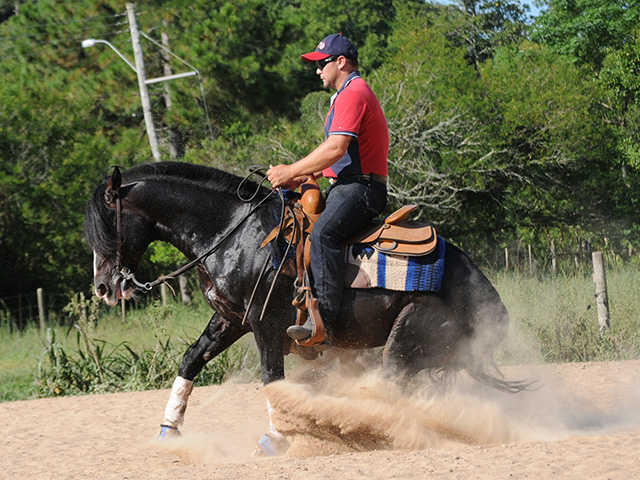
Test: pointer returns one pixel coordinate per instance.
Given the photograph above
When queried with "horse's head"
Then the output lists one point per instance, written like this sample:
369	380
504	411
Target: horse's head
118	237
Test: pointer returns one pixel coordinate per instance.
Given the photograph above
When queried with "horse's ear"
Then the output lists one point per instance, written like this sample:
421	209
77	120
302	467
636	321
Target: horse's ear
113	187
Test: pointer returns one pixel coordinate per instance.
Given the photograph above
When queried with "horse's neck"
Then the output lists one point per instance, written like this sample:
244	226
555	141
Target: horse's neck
194	222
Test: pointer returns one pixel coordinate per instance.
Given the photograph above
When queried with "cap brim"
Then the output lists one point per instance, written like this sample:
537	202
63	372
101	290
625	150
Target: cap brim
314	56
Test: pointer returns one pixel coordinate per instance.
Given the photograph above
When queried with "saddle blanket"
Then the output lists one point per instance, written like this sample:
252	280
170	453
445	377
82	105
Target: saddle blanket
368	268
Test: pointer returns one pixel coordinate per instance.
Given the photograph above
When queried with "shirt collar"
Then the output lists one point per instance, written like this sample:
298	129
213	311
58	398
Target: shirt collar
352	76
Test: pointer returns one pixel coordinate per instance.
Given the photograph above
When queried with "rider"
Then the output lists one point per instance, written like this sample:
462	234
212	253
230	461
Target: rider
353	157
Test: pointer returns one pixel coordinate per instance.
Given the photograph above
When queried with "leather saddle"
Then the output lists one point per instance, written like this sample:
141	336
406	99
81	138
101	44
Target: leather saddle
396	235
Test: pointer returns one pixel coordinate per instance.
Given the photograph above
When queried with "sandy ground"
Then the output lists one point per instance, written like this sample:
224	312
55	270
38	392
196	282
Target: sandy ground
346	422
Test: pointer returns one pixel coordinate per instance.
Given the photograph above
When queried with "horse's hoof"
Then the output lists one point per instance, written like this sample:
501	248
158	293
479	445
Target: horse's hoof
271	446
167	431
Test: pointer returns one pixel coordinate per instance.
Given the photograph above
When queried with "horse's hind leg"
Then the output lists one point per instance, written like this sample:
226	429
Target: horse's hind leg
423	337
216	338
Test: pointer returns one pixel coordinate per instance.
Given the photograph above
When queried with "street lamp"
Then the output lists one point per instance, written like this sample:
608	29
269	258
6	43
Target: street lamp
144	93
142	80
90	42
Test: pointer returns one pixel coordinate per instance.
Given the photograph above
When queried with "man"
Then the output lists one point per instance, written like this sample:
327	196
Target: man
354	158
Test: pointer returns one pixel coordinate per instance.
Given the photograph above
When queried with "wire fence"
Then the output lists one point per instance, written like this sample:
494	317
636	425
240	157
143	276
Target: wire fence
555	258
24	309
41	306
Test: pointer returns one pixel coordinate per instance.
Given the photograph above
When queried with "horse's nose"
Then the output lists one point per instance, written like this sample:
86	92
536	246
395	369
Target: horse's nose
101	290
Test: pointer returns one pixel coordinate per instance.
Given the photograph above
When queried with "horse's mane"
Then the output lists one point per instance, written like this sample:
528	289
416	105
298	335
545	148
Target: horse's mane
201	175
99	225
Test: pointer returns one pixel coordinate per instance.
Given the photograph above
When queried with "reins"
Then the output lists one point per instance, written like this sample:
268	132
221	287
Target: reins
147	286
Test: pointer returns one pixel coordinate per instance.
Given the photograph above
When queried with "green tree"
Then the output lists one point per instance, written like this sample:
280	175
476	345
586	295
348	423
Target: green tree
603	37
586	30
45	179
488	25
547	148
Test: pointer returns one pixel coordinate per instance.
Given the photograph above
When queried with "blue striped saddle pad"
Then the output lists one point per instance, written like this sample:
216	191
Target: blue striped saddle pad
367	268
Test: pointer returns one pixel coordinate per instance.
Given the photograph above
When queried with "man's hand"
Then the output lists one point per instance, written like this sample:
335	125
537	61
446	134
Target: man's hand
326	154
281	176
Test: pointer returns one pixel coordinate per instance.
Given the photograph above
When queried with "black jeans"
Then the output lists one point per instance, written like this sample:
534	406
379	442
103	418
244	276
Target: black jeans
350	204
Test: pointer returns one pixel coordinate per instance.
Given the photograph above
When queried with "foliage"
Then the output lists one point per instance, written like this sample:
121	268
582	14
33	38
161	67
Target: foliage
97	366
497	136
545	147
586	30
603	37
488	25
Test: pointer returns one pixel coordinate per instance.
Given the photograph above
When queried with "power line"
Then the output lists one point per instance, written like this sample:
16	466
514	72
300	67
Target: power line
60	41
34	35
83	20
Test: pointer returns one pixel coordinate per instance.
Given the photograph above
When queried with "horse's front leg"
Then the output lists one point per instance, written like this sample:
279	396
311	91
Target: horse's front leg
270	340
216	338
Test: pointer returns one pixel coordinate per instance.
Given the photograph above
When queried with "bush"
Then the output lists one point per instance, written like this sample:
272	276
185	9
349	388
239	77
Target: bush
97	366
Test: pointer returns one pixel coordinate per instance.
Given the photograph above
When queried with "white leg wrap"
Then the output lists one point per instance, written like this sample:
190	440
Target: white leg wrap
177	404
272	427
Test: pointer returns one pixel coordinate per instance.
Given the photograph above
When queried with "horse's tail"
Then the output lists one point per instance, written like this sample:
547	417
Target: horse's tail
491	376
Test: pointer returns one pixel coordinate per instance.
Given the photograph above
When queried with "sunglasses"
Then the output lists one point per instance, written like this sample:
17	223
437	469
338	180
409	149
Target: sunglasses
320	64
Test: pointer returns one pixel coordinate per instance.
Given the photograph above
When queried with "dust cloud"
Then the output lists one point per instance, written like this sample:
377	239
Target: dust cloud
345	402
348	404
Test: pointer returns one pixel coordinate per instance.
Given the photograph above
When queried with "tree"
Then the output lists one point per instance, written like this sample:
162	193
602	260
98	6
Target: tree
586	30
488	25
423	87
45	179
603	37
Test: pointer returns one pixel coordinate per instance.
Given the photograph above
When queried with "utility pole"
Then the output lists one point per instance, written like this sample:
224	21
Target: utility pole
142	82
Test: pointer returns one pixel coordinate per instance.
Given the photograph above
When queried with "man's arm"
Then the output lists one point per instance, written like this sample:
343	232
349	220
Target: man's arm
324	155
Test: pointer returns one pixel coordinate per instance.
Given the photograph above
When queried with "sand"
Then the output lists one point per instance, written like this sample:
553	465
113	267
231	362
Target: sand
344	421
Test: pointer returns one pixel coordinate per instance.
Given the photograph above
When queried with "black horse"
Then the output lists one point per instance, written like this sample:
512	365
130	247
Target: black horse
195	207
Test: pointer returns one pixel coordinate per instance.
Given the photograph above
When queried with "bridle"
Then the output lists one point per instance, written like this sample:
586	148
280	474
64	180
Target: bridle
128	275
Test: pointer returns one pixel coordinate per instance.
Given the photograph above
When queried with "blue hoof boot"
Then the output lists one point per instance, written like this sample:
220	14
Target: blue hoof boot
271	446
168	432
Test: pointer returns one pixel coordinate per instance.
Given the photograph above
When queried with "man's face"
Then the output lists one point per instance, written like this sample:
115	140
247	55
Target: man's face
328	71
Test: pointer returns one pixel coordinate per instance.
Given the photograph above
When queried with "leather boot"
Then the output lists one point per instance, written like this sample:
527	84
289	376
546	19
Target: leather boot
301	332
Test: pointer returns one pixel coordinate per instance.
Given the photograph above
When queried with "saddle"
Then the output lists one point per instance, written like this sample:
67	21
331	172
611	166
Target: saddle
396	235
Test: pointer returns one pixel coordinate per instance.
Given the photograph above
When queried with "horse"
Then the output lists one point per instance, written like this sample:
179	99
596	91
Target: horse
218	221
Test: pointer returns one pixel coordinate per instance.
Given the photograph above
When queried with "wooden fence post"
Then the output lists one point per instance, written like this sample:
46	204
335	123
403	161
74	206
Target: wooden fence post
602	297
163	294
41	317
184	293
506	259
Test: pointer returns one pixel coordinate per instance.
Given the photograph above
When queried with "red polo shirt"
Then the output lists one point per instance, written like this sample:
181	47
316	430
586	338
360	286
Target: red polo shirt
355	111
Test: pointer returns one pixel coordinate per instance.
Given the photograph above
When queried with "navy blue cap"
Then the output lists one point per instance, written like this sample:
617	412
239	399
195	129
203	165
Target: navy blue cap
333	45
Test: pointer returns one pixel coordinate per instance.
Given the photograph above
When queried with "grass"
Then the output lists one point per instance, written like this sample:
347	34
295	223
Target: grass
554	319
98	352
